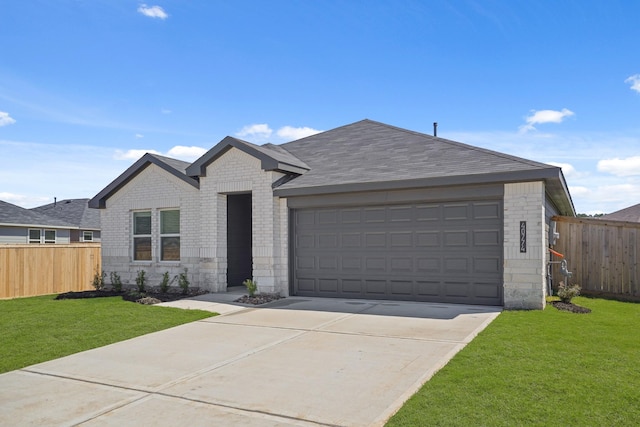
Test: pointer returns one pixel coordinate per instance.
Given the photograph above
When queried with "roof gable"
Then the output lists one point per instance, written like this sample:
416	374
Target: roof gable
175	167
271	157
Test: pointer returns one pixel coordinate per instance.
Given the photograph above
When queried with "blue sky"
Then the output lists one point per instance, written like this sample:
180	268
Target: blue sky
88	86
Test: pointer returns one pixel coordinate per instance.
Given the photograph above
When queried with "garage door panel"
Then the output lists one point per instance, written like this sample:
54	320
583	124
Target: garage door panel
440	252
375	240
351	286
491	210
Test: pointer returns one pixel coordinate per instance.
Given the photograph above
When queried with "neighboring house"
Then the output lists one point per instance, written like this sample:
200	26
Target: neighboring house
77	213
366	210
630	214
63	222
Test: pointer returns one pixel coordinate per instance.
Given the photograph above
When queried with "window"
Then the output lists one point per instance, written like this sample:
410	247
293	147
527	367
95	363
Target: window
142	236
34	236
87	236
170	235
49	236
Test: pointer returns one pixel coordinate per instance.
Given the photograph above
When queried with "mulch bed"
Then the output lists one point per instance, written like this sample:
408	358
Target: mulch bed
150	297
258	299
571	307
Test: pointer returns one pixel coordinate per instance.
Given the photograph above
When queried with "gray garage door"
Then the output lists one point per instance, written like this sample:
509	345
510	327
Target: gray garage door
440	252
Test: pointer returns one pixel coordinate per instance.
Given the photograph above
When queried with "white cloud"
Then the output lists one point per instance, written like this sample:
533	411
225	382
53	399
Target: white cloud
620	167
139	135
635	82
186	153
165	111
579	191
567	169
132	154
544	116
153	11
261	131
5	119
290	133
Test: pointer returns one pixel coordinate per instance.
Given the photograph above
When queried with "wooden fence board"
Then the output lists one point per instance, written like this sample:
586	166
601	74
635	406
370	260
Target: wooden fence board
603	255
29	270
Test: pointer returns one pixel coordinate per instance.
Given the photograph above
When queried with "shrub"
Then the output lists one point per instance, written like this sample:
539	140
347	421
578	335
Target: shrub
252	286
98	280
141	281
164	285
183	281
567	292
115	281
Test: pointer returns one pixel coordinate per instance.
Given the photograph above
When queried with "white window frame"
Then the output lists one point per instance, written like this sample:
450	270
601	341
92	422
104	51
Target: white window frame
134	236
164	235
34	241
49	240
87	233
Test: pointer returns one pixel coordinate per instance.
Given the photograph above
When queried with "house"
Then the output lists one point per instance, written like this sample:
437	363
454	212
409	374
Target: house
366	210
77	213
64	222
630	214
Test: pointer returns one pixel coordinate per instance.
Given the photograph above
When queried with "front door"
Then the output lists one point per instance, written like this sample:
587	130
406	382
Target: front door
239	259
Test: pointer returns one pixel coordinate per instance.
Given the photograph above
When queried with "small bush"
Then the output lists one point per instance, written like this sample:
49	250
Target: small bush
183	281
116	283
141	281
98	280
252	286
567	292
164	285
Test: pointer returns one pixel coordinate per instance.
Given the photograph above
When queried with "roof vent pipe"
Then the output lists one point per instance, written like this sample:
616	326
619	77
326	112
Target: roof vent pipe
435	128
55	201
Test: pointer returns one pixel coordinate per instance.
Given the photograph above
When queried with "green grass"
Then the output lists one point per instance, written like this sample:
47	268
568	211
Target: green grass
540	368
34	330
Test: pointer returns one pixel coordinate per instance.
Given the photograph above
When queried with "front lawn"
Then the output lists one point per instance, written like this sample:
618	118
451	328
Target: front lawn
540	368
34	330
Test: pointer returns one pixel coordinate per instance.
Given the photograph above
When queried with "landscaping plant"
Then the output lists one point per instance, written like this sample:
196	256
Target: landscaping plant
568	292
141	281
183	281
251	285
164	285
116	283
98	280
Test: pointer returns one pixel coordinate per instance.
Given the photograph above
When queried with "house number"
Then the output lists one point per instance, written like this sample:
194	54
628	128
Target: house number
523	236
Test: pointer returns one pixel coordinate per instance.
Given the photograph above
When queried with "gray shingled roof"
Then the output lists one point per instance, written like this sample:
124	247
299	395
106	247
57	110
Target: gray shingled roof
17	216
72	211
366	155
369	155
368	151
630	214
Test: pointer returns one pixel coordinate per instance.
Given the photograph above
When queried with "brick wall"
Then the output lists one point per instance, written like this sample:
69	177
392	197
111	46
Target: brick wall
153	189
524	272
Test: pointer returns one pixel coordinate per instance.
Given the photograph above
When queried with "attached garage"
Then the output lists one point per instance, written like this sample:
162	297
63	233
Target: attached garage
437	252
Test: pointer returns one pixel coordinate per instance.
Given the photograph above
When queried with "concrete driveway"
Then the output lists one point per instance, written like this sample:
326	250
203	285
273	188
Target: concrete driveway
297	361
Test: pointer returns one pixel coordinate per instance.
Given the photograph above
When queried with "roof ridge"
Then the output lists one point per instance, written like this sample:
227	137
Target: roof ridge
468	146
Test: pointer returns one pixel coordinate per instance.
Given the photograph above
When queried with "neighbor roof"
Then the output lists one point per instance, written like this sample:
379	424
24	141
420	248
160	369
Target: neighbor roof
369	155
73	211
630	214
17	216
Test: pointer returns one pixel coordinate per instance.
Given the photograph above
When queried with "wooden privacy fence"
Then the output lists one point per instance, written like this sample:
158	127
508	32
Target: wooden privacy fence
603	255
29	270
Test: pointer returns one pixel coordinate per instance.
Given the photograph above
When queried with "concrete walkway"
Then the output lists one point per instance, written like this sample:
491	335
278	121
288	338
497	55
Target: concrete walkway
294	362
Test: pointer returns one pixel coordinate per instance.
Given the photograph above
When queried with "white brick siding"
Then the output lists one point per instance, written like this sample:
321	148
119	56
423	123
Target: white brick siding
524	273
153	189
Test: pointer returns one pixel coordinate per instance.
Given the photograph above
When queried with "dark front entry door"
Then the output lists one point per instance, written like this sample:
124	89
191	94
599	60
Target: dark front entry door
239	260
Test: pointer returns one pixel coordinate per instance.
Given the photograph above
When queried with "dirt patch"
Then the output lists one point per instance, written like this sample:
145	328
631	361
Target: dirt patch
258	299
571	307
